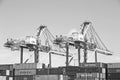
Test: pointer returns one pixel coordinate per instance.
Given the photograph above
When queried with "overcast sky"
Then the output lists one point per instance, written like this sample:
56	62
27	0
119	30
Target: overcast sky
20	18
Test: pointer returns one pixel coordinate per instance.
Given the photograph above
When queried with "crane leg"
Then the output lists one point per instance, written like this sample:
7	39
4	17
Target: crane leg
49	60
67	53
95	56
21	55
85	55
36	54
79	55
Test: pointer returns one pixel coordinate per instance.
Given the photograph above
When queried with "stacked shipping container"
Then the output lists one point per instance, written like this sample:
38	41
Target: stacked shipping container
87	71
6	72
92	71
26	71
113	71
50	74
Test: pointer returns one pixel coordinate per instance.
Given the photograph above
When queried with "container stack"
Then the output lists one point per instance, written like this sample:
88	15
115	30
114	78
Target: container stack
6	72
92	71
113	71
50	74
25	71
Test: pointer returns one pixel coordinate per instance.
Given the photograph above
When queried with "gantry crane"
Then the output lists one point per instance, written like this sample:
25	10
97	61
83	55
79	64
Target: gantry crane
35	44
86	39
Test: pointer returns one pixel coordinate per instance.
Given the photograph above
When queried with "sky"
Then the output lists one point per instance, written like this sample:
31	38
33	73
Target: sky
20	18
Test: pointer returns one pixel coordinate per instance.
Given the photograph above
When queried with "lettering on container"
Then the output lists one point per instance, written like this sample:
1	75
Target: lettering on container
25	72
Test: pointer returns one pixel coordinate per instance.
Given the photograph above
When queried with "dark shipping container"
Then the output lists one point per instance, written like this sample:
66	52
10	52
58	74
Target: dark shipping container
6	67
113	76
24	77
2	72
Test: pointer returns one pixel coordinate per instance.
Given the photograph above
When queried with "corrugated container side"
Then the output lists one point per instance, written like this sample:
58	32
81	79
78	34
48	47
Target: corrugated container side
102	75
7	77
88	70
3	72
42	71
92	70
113	70
103	70
88	79
27	66
54	71
74	70
113	65
24	77
2	77
8	72
25	72
6	67
47	77
65	70
113	79
70	70
10	78
87	75
103	65
11	73
113	76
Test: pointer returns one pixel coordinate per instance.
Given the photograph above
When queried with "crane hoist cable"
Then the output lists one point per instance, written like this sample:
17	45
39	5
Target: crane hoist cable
99	39
93	37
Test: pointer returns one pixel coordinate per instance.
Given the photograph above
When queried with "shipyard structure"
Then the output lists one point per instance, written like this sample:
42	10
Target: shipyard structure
85	41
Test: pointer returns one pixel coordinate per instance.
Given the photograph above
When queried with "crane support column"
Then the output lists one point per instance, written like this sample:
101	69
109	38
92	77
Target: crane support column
95	56
21	55
50	60
67	53
85	55
79	55
36	54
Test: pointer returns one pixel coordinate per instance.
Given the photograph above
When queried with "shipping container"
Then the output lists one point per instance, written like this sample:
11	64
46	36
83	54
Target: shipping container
70	70
11	73
102	75
25	72
54	71
10	78
47	77
6	67
2	72
60	70
113	65
92	70
7	72
2	77
27	66
102	65
24	77
113	70
87	75
89	79
113	79
42	71
113	76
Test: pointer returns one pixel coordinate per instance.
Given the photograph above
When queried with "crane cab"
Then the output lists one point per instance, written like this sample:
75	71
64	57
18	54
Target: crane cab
30	40
77	36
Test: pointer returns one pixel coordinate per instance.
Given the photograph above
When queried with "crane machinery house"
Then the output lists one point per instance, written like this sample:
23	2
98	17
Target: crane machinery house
30	40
